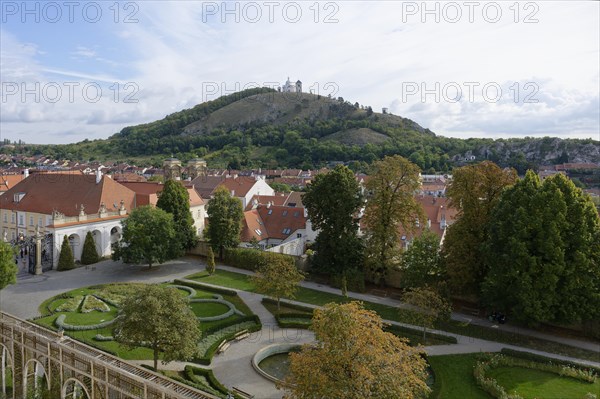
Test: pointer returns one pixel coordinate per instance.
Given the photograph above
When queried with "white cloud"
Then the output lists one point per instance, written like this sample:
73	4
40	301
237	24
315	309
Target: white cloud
370	55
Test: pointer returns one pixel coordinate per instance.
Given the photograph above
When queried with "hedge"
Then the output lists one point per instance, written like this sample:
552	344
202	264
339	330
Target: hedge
540	358
251	259
191	372
205	287
393	328
60	323
492	387
290	320
209	353
290	305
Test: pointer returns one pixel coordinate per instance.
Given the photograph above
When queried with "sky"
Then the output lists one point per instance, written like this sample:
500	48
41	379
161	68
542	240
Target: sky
73	70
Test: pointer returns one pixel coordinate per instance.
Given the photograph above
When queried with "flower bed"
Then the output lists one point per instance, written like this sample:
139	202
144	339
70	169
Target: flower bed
60	323
91	303
70	305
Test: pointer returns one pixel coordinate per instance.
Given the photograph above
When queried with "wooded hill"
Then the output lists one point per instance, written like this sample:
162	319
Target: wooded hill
265	128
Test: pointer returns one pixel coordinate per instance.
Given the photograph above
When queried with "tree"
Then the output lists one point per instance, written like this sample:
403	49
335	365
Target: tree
8	269
474	191
543	253
354	358
278	278
421	263
333	201
89	254
429	307
65	259
391	206
175	199
210	261
160	318
225	216
148	236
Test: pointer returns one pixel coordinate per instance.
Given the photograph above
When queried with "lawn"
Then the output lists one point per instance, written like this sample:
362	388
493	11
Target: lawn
242	282
454	377
531	384
95	317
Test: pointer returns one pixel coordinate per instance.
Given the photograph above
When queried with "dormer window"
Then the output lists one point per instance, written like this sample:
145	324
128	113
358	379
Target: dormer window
18	197
257	231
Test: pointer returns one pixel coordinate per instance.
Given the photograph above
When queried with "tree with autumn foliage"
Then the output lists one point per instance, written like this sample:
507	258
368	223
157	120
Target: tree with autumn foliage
428	307
278	277
391	206
474	191
353	358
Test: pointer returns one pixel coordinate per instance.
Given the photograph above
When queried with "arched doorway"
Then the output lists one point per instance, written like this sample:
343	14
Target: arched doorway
75	243
74	389
35	379
115	234
7	377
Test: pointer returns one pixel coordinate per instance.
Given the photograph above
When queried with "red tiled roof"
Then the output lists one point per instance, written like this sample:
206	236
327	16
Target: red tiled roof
277	222
65	193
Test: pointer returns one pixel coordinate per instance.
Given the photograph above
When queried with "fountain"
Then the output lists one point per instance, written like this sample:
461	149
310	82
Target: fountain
272	362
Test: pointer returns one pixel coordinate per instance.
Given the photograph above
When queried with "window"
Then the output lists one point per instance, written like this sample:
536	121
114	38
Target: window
284	213
299	235
286	231
40	221
296	214
31	220
270	211
21	220
257	231
12	218
13	235
5	217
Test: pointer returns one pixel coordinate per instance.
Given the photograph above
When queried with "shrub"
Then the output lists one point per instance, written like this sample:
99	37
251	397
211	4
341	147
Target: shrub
65	259
89	254
210	261
213	337
355	281
542	359
60	323
251	259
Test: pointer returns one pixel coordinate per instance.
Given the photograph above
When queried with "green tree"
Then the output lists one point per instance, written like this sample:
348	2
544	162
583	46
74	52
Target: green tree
543	253
210	261
354	358
474	191
333	201
65	259
278	278
391	206
421	263
175	199
148	236
160	318
225	216
280	187
428	307
89	254
8	269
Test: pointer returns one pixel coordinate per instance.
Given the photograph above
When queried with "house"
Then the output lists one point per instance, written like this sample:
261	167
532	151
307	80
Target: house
273	225
147	193
242	187
59	205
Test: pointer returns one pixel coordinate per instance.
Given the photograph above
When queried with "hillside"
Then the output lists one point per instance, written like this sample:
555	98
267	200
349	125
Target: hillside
265	128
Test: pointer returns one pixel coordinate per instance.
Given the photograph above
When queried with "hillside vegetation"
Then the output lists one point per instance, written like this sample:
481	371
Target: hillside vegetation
265	128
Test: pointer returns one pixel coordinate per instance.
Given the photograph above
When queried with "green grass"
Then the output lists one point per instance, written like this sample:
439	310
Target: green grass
242	282
454	377
202	309
531	384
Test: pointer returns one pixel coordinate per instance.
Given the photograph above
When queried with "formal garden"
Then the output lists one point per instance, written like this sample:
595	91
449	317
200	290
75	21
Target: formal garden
89	314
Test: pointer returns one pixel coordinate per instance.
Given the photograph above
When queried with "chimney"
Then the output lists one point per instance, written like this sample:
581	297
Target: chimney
26	173
98	176
233	193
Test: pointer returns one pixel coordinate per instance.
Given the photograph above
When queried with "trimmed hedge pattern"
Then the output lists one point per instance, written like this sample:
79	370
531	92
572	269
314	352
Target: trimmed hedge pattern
91	303
60	323
205	287
393	328
70	305
213	337
218	299
539	358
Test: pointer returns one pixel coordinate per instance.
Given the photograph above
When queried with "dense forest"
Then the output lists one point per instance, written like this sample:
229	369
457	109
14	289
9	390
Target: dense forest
264	128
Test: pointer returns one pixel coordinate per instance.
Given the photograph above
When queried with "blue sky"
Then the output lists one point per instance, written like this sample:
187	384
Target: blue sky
527	69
